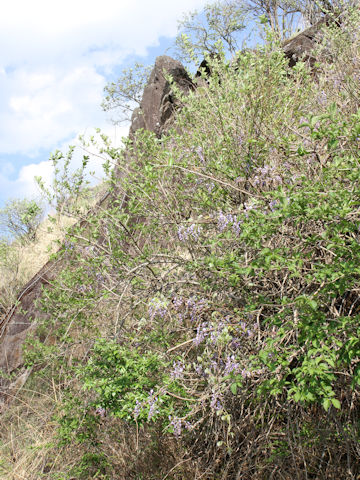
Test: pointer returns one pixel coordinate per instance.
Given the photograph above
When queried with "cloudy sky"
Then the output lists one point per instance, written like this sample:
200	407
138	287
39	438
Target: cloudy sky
55	59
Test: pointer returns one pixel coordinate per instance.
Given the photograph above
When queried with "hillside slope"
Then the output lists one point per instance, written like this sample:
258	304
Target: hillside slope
204	321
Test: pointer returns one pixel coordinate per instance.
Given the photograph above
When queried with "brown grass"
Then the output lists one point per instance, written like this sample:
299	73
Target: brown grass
25	259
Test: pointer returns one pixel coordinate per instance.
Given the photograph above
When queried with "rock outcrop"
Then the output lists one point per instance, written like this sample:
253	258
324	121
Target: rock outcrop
302	45
16	324
158	102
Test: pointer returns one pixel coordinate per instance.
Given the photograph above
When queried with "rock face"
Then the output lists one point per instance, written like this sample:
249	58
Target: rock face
301	46
158	103
16	324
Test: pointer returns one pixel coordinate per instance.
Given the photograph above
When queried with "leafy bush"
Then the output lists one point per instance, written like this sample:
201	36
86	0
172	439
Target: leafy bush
125	94
21	218
68	185
216	305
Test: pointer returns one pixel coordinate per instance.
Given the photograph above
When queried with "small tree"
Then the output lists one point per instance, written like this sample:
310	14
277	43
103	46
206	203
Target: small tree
124	95
21	218
313	10
283	15
220	24
67	186
217	25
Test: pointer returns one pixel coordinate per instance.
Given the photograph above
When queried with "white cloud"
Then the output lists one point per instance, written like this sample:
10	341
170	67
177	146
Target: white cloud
52	28
25	181
25	186
96	158
54	62
50	55
42	108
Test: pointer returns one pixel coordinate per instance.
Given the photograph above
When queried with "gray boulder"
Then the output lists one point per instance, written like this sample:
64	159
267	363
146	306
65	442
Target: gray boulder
302	45
158	102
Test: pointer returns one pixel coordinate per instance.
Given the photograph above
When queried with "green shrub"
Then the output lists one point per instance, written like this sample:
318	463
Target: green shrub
219	302
21	218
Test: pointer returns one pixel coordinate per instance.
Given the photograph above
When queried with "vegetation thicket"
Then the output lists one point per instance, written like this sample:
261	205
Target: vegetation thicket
207	327
20	221
221	26
29	236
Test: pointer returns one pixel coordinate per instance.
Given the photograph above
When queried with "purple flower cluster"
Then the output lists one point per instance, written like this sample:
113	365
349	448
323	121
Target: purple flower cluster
192	232
195	307
338	79
322	98
202	332
199	369
100	278
216	365
225	220
157	308
242	326
175	422
200	154
93	272
84	288
272	205
235	344
152	402
215	403
188	426
245	373
266	176
249	332
231	365
177	302
69	246
216	332
356	76
178	370
212	331
137	409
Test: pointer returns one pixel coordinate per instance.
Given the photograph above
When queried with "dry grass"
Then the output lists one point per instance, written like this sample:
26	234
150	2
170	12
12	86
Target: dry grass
25	259
35	255
29	448
26	434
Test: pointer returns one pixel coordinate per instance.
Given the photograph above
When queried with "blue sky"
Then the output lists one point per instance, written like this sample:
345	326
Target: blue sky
55	59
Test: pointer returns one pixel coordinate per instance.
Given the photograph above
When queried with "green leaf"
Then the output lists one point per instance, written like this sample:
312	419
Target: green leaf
233	388
312	304
326	403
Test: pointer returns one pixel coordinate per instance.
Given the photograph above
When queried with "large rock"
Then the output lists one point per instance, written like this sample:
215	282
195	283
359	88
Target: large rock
16	324
302	45
158	102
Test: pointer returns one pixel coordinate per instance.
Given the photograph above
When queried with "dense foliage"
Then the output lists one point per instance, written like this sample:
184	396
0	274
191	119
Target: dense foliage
20	218
209	314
